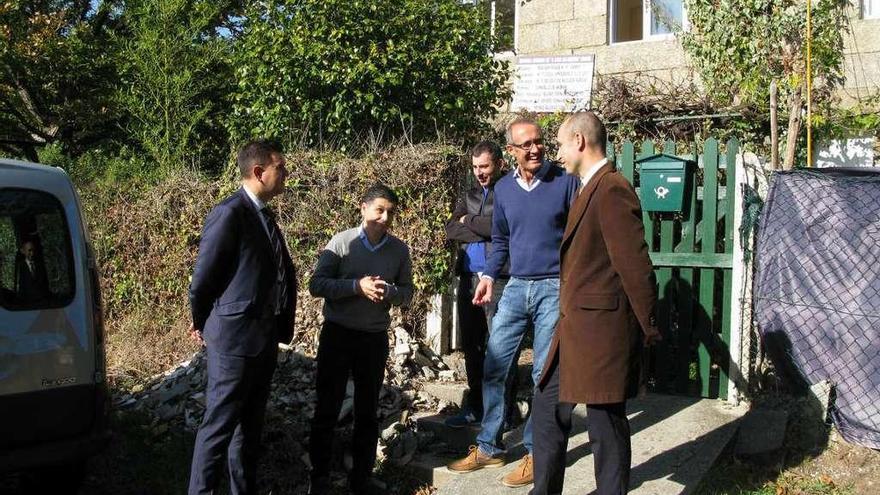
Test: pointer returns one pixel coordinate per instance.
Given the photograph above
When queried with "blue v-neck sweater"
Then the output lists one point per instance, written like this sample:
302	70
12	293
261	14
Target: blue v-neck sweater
527	226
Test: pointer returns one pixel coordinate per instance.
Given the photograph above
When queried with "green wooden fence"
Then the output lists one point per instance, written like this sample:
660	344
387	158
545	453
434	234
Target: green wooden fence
692	253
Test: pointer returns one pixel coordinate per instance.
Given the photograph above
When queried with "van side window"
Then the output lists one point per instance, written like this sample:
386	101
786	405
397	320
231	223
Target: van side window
36	260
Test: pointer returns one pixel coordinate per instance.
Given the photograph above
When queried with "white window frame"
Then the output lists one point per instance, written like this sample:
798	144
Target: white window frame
873	13
646	24
516	5
515	25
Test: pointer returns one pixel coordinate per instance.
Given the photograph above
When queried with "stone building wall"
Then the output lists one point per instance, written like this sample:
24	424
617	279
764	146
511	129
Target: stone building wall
575	27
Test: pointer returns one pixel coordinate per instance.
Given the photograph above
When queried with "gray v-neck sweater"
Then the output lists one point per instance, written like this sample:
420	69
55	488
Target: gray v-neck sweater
346	260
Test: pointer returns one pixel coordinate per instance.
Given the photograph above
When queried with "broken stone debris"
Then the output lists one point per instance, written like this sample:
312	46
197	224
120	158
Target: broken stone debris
176	398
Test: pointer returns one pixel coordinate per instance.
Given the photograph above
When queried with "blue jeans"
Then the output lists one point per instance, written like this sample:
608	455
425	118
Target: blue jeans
524	303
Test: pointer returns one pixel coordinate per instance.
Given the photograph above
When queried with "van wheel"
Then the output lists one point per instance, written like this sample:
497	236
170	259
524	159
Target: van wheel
64	479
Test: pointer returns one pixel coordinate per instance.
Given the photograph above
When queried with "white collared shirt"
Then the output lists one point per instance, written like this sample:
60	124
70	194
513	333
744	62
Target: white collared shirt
259	205
536	179
592	171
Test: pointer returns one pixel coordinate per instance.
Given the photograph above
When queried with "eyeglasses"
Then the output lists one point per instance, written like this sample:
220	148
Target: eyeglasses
526	146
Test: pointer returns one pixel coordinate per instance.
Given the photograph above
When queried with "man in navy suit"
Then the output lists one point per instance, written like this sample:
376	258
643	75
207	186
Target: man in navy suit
243	298
30	274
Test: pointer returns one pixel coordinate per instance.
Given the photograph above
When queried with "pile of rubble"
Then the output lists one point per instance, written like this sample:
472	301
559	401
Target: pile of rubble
176	399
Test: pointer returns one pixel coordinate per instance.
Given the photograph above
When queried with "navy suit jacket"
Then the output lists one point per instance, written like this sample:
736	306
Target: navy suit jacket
32	287
234	274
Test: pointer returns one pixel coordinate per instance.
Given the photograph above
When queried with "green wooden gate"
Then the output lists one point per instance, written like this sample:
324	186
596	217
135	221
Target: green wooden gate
692	252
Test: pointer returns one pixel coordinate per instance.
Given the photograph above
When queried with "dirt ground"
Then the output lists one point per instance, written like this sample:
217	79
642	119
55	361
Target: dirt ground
814	460
845	465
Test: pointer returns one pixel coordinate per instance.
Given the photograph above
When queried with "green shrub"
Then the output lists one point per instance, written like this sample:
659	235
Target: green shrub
175	82
332	71
102	166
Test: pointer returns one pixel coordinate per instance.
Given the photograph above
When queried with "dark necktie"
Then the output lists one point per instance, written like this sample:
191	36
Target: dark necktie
278	248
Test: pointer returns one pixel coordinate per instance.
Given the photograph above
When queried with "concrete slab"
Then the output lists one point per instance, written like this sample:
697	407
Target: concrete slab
430	468
458	440
675	442
455	392
449	392
452	443
761	431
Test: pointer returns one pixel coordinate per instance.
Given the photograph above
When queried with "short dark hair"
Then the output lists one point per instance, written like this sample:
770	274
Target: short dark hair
487	147
256	152
379	190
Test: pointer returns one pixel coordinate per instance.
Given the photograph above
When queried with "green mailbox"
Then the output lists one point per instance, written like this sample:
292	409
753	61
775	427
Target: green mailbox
663	181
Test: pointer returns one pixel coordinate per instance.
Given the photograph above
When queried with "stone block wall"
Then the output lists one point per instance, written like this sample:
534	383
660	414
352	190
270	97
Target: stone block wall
576	27
862	59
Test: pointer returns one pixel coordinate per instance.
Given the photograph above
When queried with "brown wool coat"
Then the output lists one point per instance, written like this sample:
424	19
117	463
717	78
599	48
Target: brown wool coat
607	294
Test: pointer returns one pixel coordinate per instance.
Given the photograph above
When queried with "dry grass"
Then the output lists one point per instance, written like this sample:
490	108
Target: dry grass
146	239
140	345
813	461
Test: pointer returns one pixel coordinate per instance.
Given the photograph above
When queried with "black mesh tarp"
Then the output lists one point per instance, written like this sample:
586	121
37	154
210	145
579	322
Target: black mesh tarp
817	289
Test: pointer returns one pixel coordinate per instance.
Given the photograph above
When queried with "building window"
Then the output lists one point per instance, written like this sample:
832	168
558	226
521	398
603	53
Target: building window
634	20
503	15
870	9
502	19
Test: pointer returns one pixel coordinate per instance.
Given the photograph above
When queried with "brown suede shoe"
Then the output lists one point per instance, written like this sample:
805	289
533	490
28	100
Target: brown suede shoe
521	476
473	461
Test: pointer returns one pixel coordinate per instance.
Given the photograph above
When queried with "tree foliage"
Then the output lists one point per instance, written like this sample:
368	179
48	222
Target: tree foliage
175	78
56	75
145	86
332	70
743	48
740	46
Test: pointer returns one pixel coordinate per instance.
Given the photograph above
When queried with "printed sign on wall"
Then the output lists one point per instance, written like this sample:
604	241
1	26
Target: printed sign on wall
551	84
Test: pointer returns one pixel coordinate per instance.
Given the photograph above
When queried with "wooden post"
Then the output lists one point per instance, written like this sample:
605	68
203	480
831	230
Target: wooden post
794	127
706	276
774	125
809	85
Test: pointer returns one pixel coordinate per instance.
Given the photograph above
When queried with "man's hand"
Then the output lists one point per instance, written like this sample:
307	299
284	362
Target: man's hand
462	219
483	294
196	334
372	287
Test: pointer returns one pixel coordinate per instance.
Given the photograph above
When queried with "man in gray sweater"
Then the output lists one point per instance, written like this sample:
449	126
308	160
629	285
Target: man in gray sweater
360	274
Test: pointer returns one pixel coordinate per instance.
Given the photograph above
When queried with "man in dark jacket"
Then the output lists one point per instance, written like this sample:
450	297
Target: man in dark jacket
31	280
243	297
471	226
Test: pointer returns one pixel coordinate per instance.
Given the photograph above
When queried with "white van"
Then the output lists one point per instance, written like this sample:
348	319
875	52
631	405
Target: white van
54	402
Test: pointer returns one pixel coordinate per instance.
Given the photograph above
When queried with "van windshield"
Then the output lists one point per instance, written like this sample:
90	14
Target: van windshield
36	261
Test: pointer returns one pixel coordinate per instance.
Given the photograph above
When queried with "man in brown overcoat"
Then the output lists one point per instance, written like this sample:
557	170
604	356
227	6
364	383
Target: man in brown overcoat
607	301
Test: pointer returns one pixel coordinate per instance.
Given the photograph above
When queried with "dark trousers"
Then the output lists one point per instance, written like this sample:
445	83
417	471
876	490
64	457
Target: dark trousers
236	395
343	352
609	433
476	323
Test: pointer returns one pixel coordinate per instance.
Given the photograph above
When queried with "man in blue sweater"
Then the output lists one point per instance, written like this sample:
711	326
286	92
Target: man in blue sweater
531	208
